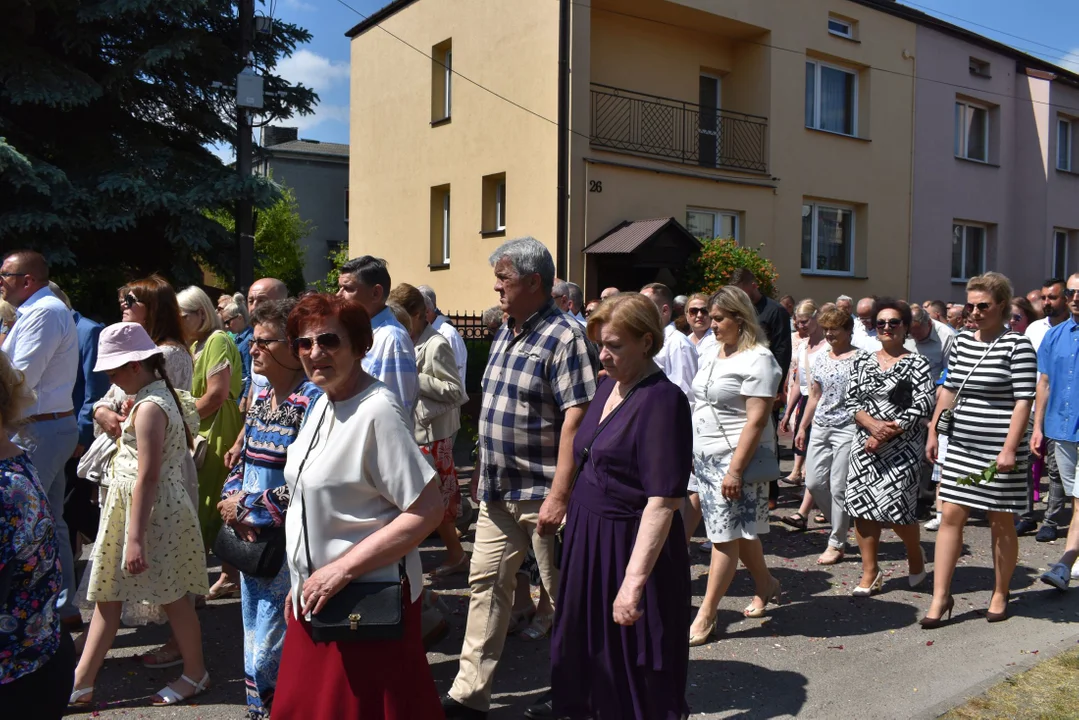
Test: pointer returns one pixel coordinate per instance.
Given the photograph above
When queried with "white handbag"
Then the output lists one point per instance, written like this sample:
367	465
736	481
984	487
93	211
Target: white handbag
94	463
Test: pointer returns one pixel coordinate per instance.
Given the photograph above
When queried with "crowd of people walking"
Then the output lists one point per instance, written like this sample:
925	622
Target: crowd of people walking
308	444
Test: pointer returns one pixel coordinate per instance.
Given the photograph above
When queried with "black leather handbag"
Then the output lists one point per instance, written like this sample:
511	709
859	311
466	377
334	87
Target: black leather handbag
262	557
362	610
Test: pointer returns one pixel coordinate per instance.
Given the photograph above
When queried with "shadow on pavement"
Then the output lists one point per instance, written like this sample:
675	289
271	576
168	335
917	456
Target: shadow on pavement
721	686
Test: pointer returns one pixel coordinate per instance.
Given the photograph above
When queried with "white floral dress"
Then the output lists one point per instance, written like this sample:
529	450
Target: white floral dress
174	552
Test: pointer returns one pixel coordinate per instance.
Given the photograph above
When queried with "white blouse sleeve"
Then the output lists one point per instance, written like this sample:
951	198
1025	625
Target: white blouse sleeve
392	460
763	375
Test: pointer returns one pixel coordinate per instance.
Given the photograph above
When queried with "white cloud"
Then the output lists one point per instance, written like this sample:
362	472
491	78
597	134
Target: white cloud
313	70
324	112
298	5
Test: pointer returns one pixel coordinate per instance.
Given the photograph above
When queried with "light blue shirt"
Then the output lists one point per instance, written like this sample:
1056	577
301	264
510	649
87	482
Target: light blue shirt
1057	358
392	359
44	345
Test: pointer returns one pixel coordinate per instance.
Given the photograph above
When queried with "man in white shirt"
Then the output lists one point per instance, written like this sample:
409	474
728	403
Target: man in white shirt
677	358
442	326
569	299
392	357
865	332
44	345
931	339
1055	307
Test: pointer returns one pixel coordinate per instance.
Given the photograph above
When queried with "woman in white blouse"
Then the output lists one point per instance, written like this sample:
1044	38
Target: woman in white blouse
363	498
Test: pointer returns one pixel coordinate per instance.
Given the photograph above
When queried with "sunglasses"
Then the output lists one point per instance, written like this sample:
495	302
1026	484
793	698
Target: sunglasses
889	323
265	343
129	300
330	342
1070	293
980	307
696	311
1017	318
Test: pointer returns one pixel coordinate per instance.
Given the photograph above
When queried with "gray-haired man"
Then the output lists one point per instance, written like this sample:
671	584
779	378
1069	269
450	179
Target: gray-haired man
442	326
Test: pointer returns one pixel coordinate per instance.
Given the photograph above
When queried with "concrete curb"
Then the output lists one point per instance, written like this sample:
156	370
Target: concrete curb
981	687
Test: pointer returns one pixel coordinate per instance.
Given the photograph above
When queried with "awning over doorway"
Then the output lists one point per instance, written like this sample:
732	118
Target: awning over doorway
632	236
637	252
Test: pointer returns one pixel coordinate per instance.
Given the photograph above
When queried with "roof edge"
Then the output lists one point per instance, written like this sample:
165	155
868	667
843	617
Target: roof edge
378	16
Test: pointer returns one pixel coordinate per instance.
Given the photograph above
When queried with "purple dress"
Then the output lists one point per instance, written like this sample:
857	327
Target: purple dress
599	668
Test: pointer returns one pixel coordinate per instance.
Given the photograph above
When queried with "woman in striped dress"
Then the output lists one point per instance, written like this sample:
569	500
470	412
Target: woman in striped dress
993	371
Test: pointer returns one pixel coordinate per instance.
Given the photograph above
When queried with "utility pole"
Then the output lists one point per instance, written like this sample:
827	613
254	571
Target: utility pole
245	231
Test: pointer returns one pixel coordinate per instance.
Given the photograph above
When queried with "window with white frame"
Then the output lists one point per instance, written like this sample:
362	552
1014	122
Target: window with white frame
500	206
971	131
1064	144
840	27
446	228
440	226
448	80
442	82
968	251
827	239
831	98
1060	253
710	224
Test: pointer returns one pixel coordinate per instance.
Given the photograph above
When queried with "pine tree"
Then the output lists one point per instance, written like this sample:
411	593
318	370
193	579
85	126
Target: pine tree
106	111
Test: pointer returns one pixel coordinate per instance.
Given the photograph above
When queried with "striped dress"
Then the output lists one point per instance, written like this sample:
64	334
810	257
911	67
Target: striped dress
983	413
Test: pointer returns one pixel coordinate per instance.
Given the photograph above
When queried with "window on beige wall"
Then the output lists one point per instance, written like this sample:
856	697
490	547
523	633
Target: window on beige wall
827	239
971	131
440	226
831	99
442	81
710	224
1064	144
841	27
968	251
494	203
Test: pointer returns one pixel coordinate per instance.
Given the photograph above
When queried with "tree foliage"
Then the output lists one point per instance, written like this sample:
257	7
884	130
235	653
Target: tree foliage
719	258
278	232
106	111
337	258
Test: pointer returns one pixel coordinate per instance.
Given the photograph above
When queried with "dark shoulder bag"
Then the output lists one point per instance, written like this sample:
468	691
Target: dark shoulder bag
362	610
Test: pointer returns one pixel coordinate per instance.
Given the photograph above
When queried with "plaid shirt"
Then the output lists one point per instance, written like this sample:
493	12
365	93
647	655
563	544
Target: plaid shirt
531	379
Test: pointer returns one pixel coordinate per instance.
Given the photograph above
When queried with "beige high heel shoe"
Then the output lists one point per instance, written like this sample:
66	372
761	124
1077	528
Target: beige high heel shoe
702	638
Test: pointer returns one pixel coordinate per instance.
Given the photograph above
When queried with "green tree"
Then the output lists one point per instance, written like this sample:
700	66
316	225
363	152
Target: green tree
712	267
278	232
107	110
337	258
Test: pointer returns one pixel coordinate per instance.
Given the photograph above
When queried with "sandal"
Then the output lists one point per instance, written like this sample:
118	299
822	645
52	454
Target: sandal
820	519
163	657
794	481
223	588
171	697
540	627
520	620
458	567
752	611
797	520
81	698
831	556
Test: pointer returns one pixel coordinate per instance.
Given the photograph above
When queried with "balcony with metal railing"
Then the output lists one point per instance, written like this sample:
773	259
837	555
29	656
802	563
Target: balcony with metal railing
673	130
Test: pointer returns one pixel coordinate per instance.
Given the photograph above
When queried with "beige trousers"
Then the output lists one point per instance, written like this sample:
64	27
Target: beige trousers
504	532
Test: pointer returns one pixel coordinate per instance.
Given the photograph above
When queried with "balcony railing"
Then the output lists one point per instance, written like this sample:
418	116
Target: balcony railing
675	130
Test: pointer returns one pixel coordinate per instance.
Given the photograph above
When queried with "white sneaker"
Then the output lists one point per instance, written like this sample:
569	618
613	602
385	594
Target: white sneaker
1075	570
934	524
1057	575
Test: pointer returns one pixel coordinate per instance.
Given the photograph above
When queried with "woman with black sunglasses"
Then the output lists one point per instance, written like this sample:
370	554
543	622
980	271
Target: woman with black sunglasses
992	377
890	394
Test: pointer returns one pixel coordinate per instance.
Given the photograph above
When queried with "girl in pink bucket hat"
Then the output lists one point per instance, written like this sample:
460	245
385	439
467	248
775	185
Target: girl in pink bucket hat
149	547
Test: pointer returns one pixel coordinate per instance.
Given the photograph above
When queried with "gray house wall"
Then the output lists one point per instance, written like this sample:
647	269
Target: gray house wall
319	185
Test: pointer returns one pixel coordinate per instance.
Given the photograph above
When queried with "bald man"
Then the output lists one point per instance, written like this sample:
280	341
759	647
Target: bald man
608	292
263	290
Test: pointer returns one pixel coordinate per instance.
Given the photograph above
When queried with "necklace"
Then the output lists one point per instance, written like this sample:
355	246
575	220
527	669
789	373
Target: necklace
886	361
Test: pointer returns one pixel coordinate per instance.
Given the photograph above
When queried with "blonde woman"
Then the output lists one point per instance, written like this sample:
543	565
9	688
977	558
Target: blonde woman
216	385
808	341
733	394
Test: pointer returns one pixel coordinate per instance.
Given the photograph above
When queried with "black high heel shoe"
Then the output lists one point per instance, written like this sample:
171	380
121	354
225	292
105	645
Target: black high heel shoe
929	623
1000	616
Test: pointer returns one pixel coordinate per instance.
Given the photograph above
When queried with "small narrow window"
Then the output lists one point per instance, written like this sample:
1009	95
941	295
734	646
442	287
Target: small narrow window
446	228
500	206
441	82
1060	253
827	239
493	210
440	226
842	28
1064	144
979	67
971	131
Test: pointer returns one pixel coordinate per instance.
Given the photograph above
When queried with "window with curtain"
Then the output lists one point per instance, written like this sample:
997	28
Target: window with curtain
831	98
827	239
710	224
971	131
968	251
1064	144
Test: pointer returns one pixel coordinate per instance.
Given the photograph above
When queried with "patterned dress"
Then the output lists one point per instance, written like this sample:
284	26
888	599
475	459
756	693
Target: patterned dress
982	416
883	486
174	552
260	478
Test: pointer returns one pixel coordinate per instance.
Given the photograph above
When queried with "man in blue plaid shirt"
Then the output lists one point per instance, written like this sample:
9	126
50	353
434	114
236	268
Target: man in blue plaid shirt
539	380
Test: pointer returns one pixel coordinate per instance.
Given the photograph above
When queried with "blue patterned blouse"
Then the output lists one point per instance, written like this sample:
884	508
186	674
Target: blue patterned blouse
260	474
29	572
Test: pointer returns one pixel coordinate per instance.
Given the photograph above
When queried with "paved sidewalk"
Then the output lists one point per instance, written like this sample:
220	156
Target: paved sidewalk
819	654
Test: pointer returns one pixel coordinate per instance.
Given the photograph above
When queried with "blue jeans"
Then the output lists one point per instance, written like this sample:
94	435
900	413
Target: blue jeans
50	444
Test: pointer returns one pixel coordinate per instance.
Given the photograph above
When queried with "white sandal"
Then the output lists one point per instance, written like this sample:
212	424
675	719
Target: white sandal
76	699
171	697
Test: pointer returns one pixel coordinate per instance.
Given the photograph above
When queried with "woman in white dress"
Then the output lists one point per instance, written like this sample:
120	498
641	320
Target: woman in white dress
734	389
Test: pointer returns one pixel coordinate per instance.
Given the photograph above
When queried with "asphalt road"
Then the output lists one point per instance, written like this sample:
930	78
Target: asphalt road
819	654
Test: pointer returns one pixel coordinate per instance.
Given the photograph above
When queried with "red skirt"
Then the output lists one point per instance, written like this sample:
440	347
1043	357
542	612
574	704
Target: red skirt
387	679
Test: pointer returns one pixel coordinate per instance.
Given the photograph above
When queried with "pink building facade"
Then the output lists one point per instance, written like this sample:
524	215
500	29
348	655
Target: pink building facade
995	182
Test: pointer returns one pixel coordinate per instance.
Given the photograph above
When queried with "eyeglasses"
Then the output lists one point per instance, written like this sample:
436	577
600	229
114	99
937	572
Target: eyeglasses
697	311
889	323
229	319
265	343
980	307
129	300
329	342
9	275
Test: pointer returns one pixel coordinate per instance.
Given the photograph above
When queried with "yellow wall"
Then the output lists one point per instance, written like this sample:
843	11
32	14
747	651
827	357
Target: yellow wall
397	157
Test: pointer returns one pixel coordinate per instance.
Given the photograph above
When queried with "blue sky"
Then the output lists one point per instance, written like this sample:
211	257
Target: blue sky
1048	28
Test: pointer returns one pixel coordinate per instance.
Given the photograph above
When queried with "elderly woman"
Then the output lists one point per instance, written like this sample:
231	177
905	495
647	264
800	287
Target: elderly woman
890	393
807	342
256	498
363	498
992	376
625	570
828	448
734	453
236	323
216	387
437	416
38	658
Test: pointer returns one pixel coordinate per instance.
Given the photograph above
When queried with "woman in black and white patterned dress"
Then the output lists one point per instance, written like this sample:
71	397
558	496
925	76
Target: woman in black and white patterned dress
1000	372
890	394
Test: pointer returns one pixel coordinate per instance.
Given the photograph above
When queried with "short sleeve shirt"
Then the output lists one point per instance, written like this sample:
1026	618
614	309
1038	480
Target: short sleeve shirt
720	391
1058	359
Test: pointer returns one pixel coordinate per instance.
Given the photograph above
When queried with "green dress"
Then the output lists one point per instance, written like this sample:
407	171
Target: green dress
219	429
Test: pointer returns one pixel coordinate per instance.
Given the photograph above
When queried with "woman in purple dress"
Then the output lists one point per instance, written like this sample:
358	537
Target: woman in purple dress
620	645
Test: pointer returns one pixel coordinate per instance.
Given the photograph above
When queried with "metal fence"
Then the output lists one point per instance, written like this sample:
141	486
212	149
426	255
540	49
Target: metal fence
470	325
676	130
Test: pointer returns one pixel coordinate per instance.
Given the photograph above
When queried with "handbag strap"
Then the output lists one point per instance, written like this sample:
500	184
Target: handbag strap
955	400
719	423
599	428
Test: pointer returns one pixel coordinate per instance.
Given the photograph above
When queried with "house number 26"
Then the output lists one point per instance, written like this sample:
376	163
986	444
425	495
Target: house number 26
595	186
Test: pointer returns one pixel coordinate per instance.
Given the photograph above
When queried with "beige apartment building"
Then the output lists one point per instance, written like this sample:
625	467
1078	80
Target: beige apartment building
618	132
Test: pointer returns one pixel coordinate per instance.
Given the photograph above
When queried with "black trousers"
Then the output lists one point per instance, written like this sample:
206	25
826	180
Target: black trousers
43	694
